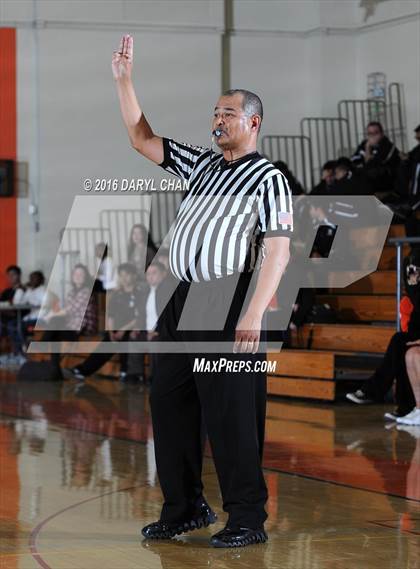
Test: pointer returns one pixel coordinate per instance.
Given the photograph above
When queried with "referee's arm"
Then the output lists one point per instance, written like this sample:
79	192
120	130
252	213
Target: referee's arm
275	262
276	222
141	135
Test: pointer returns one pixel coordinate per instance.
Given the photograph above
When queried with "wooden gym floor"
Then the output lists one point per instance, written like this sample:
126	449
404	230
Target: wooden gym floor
78	481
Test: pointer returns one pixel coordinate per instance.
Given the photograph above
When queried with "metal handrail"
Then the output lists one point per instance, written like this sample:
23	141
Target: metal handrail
358	113
395	92
293	149
399	242
328	138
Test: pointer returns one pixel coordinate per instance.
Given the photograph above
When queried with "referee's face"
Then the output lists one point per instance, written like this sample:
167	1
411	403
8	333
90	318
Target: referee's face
237	128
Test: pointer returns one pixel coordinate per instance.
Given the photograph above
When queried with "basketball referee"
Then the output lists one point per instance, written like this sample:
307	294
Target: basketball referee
234	222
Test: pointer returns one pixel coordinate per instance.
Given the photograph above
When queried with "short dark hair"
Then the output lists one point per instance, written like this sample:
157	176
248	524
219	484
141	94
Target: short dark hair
39	275
329	165
377	124
127	268
14	269
344	163
417	129
251	103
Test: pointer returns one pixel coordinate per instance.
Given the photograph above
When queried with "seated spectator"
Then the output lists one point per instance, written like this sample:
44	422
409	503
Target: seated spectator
345	183
13	294
347	180
393	364
72	321
412	359
294	184
325	230
106	278
141	249
122	319
152	299
156	275
34	296
409	188
378	158
327	180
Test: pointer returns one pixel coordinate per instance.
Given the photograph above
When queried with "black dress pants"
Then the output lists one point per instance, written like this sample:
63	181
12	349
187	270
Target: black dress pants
232	404
392	369
97	359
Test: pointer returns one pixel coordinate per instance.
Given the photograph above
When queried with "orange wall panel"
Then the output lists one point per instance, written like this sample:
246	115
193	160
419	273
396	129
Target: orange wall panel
8	209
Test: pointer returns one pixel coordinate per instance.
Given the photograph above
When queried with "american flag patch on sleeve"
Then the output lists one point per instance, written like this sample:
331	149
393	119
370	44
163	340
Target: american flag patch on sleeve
285	217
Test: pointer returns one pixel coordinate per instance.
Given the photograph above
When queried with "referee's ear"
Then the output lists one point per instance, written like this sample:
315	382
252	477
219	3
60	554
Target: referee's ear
255	123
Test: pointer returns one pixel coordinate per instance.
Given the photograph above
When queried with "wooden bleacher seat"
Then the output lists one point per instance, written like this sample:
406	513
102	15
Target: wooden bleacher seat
379	282
356	308
314	373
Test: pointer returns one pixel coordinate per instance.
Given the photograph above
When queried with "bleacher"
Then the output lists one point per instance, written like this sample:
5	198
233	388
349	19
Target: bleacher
345	353
334	354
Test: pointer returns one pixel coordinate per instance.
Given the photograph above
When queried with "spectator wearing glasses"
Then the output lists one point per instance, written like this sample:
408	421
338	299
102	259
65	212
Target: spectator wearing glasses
378	158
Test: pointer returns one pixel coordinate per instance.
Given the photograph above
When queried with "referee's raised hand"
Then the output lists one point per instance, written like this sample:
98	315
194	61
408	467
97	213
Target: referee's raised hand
122	59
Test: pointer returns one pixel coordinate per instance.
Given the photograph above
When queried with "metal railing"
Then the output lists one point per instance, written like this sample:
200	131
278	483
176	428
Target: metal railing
397	131
78	243
293	149
389	112
399	242
358	113
118	222
163	213
329	139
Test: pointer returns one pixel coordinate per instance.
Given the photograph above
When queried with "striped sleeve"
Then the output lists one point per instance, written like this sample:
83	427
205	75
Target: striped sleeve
275	209
180	158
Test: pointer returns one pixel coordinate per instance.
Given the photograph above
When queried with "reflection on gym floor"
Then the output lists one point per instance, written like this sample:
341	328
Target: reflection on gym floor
78	481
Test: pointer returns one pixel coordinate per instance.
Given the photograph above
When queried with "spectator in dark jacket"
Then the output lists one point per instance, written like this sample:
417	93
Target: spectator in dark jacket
393	365
13	294
327	180
409	188
378	158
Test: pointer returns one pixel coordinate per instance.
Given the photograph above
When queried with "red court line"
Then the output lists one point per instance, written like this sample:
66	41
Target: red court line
37	530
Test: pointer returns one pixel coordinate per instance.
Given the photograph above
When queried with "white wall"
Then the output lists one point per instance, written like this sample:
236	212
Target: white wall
302	56
74	110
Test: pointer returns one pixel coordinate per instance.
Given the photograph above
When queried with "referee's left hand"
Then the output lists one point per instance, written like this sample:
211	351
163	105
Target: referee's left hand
247	337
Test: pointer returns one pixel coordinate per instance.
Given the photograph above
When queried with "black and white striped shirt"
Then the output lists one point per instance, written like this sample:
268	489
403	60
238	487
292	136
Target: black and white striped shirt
226	212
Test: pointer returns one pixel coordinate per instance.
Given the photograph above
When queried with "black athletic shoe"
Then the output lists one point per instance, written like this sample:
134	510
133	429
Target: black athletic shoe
134	379
359	397
73	373
238	537
203	517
